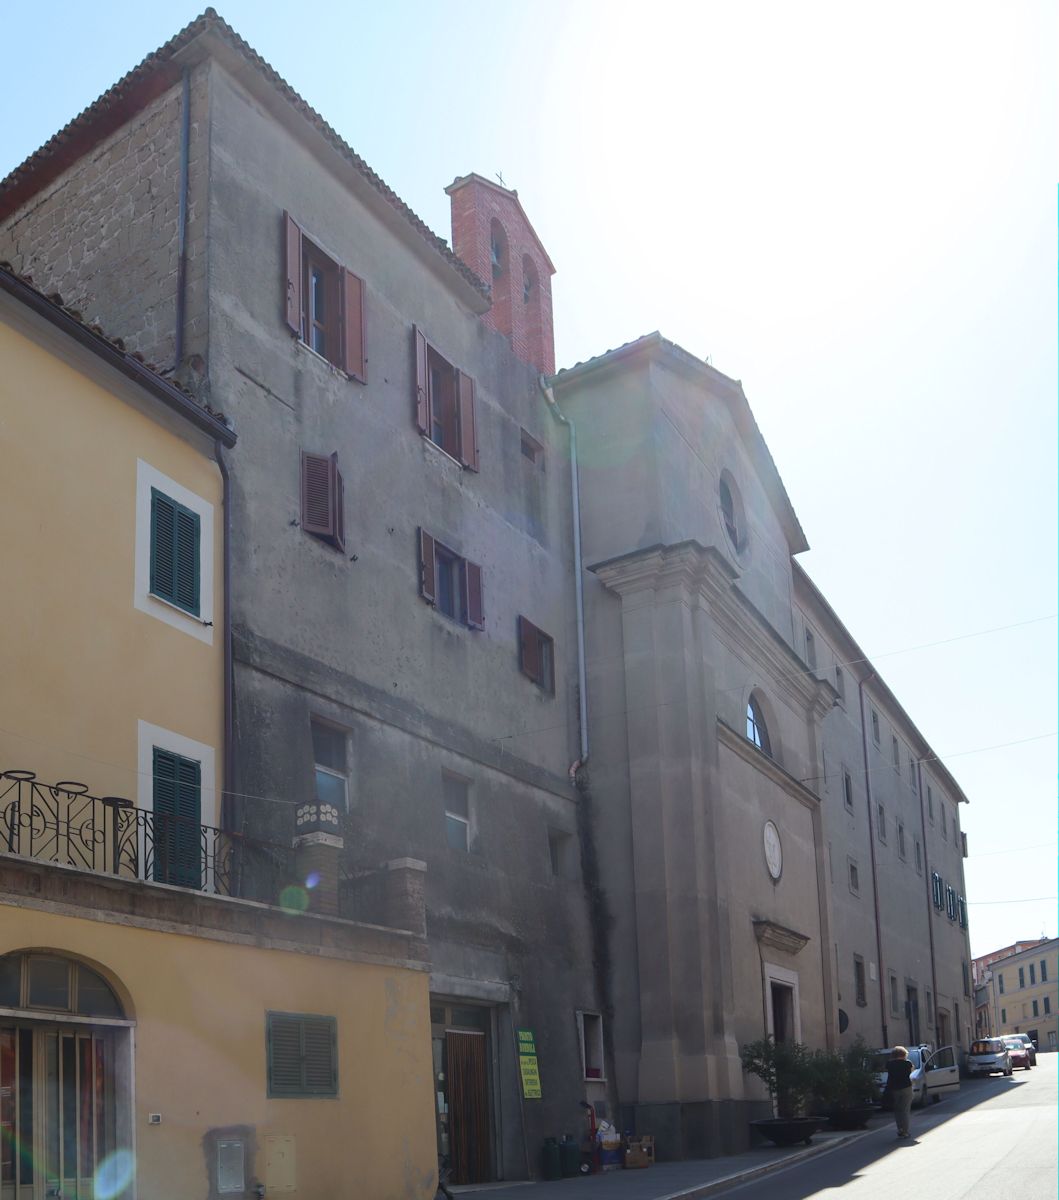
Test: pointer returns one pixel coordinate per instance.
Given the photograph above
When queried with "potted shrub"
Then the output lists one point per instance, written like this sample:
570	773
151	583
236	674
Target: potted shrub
843	1085
786	1069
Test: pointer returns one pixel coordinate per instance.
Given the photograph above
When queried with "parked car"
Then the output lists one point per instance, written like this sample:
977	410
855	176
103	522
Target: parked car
1031	1048
1020	1056
988	1056
934	1073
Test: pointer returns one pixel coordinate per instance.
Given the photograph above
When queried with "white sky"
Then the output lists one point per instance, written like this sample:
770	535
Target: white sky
851	207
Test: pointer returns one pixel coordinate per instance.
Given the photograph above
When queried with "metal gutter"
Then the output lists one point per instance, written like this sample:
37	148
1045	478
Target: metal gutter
142	375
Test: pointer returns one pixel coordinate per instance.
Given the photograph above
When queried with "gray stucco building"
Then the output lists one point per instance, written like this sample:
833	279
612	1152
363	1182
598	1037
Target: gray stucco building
650	825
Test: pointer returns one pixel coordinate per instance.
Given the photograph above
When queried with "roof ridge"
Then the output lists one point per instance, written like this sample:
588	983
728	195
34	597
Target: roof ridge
210	19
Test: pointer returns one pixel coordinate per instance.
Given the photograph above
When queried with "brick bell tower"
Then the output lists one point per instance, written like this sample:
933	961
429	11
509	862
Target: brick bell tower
493	236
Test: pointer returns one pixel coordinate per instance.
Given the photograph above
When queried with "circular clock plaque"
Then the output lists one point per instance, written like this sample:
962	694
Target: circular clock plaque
773	849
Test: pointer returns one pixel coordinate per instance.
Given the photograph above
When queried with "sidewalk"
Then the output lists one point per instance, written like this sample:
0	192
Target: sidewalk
666	1181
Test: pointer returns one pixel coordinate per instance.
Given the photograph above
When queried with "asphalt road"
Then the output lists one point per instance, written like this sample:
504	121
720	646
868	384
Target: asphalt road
994	1140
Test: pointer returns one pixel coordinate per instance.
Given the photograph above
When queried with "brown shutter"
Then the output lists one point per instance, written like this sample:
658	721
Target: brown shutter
338	499
353	325
529	649
293	289
468	432
422	403
473	586
317	491
427	586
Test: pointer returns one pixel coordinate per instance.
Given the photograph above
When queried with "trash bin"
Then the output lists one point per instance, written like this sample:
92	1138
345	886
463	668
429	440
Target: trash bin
570	1156
551	1164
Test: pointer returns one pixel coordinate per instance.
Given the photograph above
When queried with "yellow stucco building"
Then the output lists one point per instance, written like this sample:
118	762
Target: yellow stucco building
162	1034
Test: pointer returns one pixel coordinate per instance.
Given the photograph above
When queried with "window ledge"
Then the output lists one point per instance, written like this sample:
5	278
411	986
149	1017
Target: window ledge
304	346
193	617
439	450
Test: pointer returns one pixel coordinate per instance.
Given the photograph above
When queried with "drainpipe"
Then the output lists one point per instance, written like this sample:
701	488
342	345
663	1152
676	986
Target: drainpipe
582	687
930	902
182	220
874	872
227	773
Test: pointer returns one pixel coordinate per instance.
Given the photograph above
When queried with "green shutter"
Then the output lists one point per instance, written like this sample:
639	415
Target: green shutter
302	1056
177	797
175	543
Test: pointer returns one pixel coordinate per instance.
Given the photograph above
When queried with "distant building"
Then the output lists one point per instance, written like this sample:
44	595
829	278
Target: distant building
1019	992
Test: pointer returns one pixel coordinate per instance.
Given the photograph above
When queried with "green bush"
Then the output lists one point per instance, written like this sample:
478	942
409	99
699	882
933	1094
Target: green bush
785	1068
842	1078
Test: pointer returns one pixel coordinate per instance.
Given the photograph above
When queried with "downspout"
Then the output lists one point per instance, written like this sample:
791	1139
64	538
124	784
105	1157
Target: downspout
182	220
227	773
930	903
874	872
582	687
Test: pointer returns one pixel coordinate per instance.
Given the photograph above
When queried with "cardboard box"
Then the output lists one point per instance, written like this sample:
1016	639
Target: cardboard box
639	1152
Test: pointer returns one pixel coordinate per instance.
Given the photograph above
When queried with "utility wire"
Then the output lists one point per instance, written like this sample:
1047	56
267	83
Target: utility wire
1024	900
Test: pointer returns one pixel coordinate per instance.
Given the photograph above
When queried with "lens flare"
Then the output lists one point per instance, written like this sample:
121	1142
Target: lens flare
113	1175
312	880
294	899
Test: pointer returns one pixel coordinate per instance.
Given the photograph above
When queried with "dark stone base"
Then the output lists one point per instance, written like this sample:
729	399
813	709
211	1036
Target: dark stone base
696	1129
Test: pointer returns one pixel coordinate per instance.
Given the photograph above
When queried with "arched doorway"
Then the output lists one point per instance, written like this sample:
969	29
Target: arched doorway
64	1047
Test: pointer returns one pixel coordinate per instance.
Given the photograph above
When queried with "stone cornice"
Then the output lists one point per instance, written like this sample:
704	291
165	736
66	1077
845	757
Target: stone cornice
702	571
779	937
766	765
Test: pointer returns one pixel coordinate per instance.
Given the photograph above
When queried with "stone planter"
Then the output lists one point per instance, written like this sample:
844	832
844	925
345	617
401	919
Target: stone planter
788	1131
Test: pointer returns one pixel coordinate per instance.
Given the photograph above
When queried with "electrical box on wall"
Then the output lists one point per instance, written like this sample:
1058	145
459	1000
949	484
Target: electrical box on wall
280	1171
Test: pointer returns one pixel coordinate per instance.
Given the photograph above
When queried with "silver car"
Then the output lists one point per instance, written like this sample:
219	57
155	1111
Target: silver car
989	1056
934	1073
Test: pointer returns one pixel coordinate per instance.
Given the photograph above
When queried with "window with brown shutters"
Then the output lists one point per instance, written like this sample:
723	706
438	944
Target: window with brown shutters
323	302
450	583
323	499
444	403
536	655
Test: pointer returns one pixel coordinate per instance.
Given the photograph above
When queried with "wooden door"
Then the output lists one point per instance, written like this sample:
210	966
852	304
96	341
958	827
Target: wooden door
468	1099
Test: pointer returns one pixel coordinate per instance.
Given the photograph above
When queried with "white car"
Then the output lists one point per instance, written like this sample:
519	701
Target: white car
988	1056
935	1073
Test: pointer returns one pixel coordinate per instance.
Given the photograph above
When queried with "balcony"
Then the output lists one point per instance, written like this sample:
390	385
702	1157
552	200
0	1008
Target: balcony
63	823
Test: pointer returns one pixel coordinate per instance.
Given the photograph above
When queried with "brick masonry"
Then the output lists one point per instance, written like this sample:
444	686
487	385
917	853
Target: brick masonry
105	234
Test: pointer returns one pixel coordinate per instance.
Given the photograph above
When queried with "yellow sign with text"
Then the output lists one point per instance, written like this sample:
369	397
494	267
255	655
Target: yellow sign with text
527	1061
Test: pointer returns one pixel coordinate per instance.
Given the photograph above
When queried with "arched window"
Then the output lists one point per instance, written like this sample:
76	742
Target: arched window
500	266
756	729
39	980
733	514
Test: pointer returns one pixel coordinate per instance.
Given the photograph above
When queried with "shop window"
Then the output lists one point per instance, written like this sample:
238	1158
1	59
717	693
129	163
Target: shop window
590	1036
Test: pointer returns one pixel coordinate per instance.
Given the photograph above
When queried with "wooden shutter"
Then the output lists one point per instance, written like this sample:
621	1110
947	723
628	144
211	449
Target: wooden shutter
186	559
284	1055
318	1056
163	519
177	805
293	289
472	574
529	649
318	514
427	573
338	495
422	396
468	432
353	325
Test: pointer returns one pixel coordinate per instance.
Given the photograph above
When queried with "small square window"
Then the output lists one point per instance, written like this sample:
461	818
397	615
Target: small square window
561	853
590	1035
302	1055
331	772
532	450
536	656
456	796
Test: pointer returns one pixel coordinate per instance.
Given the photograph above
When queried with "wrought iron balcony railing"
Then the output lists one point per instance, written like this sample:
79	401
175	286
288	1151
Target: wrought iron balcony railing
63	823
